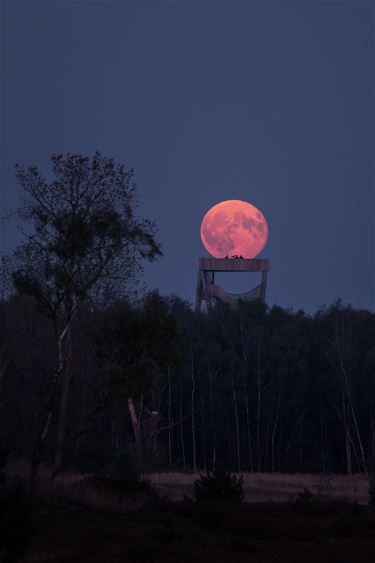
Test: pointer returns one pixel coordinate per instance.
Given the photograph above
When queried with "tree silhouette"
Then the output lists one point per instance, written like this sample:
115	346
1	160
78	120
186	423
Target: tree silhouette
85	244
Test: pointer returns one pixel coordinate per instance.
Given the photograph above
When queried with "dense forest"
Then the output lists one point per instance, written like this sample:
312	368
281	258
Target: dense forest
93	371
254	388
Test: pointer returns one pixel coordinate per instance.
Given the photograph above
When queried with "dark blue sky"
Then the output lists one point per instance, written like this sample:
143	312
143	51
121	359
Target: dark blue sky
269	102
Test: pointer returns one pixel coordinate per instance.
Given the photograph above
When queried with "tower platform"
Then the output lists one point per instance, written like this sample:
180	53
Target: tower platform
208	291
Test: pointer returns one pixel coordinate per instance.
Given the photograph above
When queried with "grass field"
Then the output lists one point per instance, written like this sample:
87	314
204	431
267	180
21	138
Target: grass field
73	521
276	487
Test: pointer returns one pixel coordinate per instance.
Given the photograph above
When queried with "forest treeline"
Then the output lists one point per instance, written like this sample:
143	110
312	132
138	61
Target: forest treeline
93	370
252	388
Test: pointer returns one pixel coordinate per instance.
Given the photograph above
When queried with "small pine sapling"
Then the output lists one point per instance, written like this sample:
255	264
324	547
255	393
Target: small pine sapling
219	485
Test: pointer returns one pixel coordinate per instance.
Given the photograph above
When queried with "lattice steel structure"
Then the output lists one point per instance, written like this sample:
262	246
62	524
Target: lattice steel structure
208	291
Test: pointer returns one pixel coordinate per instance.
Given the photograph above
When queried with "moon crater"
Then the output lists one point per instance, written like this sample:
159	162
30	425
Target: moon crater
234	228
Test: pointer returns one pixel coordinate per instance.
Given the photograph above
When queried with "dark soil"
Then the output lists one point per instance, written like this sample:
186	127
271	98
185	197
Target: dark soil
304	532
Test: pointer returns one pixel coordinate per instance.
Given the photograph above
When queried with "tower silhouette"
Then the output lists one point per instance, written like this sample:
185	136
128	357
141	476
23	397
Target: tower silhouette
209	292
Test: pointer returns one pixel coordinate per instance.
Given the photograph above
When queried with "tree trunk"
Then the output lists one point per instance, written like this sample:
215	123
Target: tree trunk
372	443
193	435
229	436
349	467
274	433
169	421
258	407
212	412
182	432
266	447
63	407
4	363
237	423
136	427
36	457
154	423
244	340
248	431
83	405
322	446
300	444
204	433
354	417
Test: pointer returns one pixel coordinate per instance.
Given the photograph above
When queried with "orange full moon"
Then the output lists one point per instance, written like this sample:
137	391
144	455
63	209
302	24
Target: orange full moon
234	228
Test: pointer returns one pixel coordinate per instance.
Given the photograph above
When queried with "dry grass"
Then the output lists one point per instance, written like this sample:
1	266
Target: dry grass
71	487
277	487
73	522
259	487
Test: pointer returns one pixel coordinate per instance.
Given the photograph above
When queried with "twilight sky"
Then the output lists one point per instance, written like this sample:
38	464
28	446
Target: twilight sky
268	102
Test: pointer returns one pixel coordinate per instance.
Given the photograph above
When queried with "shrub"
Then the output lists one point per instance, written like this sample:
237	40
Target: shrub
306	495
4	453
371	493
117	486
154	462
324	484
125	465
91	460
219	485
15	525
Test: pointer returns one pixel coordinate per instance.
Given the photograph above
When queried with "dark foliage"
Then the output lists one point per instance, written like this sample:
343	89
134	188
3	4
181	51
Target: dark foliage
125	466
219	485
251	388
118	486
371	493
209	532
15	520
306	495
4	453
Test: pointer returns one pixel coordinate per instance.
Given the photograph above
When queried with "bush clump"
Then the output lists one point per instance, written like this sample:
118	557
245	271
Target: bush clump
15	524
124	464
117	486
4	453
306	495
219	485
371	493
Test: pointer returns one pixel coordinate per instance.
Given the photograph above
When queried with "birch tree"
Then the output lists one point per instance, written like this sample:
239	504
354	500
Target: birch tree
83	242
